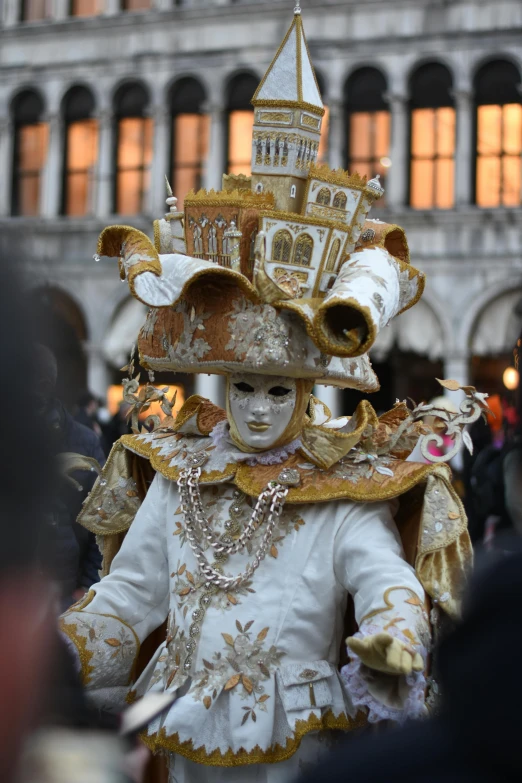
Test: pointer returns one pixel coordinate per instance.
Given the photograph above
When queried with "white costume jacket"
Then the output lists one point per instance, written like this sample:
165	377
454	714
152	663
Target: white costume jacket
257	668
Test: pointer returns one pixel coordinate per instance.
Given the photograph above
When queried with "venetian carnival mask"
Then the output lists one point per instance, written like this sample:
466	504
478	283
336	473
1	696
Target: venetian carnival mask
265	411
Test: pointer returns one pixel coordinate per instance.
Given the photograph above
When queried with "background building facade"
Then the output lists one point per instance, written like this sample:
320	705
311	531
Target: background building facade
99	99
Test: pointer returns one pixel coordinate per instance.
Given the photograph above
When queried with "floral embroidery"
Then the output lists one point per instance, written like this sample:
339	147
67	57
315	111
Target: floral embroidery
359	465
150	322
188	346
242	668
123	497
259	334
408	287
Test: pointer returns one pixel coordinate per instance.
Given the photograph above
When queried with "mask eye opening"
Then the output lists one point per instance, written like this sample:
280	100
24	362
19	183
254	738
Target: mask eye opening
244	387
279	391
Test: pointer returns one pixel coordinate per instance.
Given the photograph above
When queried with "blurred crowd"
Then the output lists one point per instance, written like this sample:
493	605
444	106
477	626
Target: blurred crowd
48	731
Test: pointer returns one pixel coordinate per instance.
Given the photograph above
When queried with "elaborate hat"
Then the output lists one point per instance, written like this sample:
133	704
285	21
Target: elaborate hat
278	273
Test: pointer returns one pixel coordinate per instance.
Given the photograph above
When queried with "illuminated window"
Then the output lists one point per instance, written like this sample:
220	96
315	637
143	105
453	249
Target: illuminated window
324	197
134	150
86	7
81	152
498	135
36	10
240	123
303	250
190	137
30	152
432	160
282	246
368	124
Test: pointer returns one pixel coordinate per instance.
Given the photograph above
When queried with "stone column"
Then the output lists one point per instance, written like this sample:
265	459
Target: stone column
212	387
463	147
6	164
160	161
52	171
216	160
98	372
336	134
112	7
105	165
456	367
12	12
60	9
332	397
397	186
163	5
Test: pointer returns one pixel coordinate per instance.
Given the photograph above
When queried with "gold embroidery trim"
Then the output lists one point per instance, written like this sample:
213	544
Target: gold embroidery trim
340	177
161	742
80	642
389	604
231	198
336	347
157	236
277	104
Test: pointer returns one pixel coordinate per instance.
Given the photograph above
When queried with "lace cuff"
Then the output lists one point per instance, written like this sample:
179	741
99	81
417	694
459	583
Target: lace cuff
106	647
386	696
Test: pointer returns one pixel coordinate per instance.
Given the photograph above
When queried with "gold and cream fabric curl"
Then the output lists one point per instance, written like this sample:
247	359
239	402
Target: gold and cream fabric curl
209	318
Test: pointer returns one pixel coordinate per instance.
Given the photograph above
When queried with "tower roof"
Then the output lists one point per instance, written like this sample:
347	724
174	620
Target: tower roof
290	79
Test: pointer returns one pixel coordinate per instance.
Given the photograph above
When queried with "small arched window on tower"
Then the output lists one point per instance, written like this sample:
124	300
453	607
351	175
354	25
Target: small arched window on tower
81	152
190	134
432	160
303	250
368	124
282	246
30	151
240	123
339	201
498	135
324	197
134	149
332	256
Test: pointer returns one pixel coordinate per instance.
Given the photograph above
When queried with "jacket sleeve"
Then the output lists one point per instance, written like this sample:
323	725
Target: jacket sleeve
370	564
121	611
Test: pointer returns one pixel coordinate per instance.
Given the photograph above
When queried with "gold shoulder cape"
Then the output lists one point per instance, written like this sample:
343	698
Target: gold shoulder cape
431	519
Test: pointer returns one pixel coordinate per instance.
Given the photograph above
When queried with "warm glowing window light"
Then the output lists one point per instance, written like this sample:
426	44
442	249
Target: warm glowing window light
369	135
32	151
133	164
240	125
190	137
82	153
499	149
432	158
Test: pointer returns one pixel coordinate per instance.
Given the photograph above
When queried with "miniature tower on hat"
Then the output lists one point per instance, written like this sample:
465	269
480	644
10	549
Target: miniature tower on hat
288	114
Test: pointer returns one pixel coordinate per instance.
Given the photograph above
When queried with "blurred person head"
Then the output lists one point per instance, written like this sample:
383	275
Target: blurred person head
89	403
26	485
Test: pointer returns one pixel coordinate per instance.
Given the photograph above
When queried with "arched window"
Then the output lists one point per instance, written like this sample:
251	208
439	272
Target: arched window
432	157
190	135
324	197
332	256
498	135
81	152
339	201
30	151
282	246
36	10
240	123
303	250
133	149
368	123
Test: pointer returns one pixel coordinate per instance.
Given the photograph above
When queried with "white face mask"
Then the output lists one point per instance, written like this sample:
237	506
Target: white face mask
261	407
